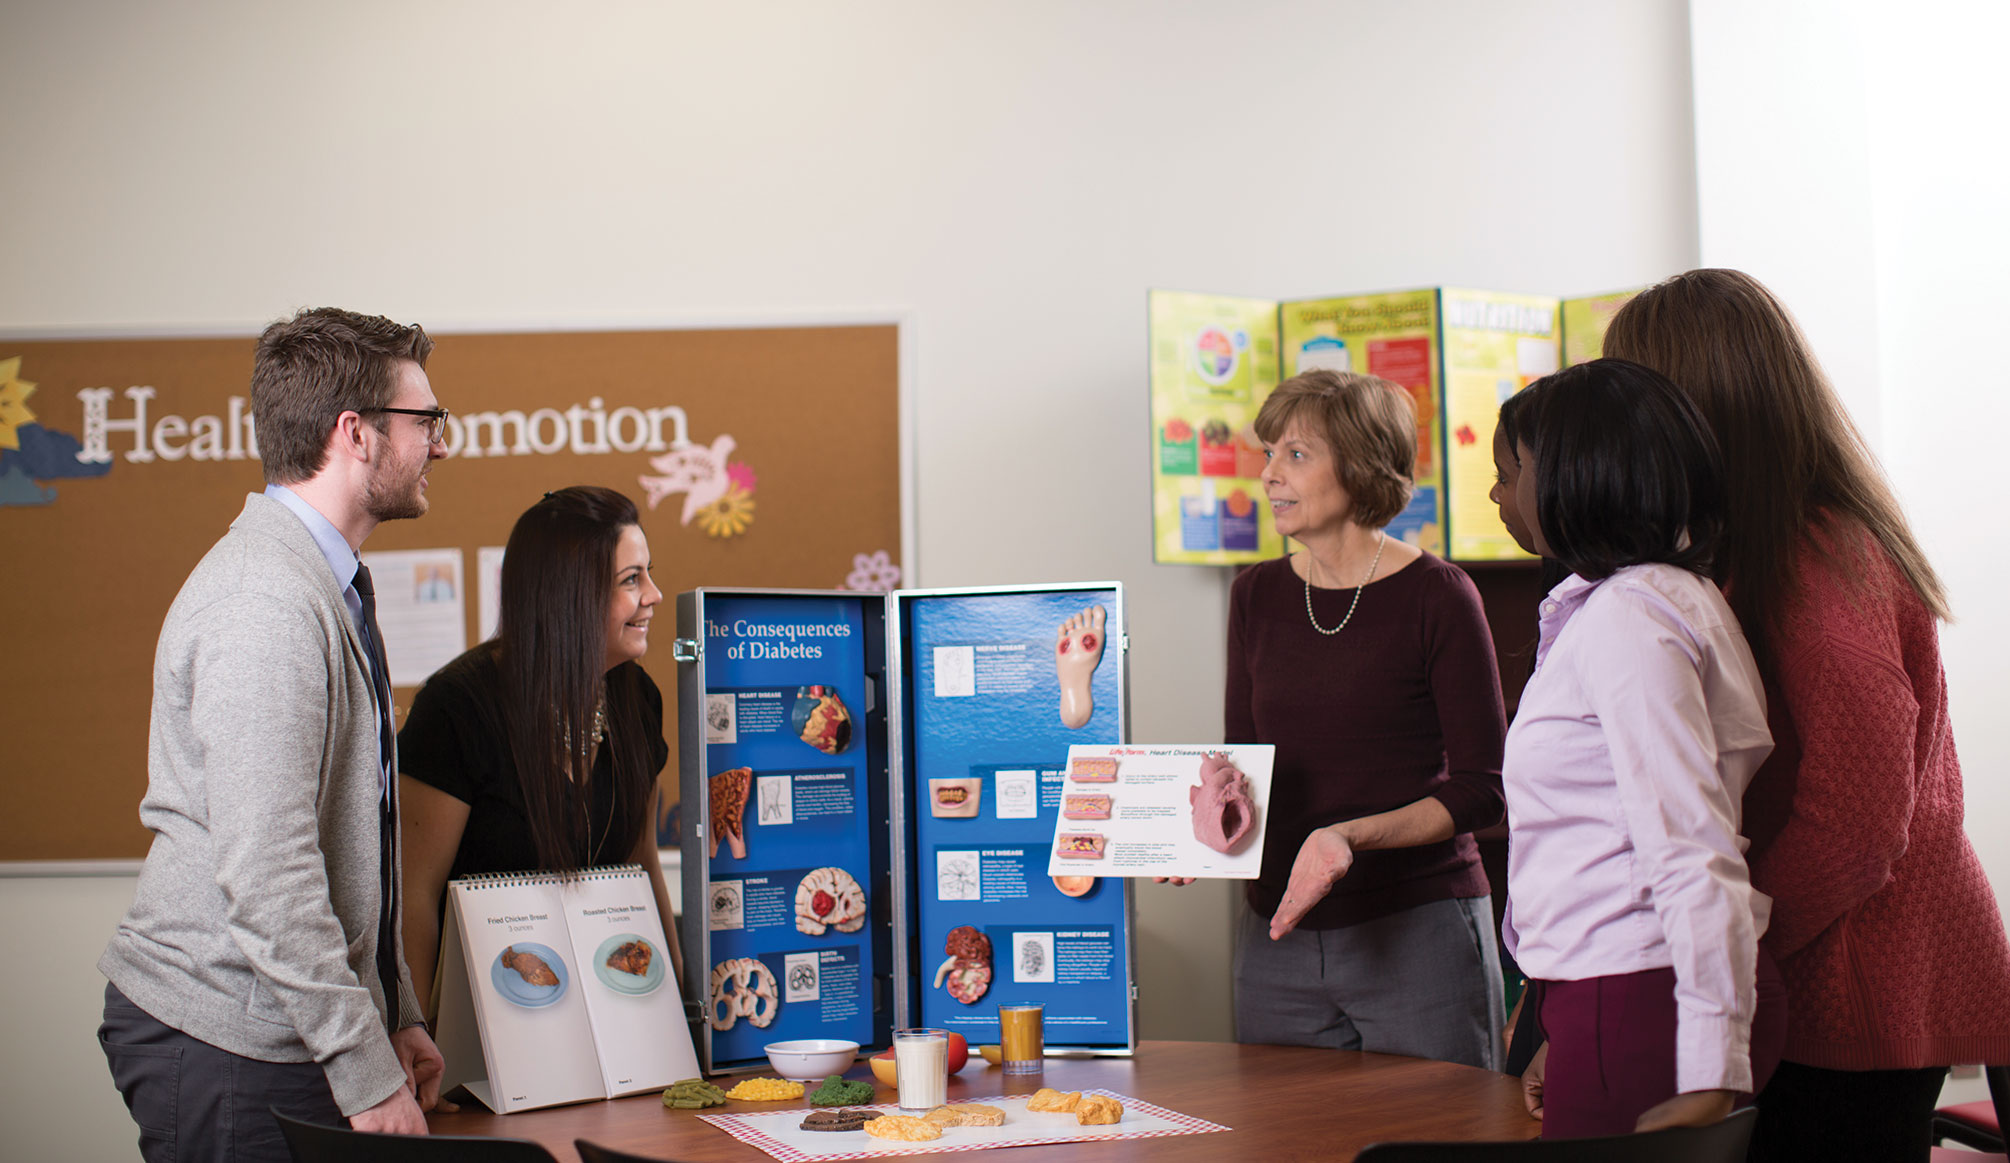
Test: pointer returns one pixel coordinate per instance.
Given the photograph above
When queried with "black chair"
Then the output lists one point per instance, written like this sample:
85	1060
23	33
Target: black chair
1724	1142
314	1143
1977	1124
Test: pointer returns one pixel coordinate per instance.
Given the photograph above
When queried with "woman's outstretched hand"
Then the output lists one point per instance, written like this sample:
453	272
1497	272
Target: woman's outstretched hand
1323	859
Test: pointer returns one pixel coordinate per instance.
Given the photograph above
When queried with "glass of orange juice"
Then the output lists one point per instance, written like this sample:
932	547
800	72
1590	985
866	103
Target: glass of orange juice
1022	1038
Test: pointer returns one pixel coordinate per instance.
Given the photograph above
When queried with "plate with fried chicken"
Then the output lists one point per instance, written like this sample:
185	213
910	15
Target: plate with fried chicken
529	974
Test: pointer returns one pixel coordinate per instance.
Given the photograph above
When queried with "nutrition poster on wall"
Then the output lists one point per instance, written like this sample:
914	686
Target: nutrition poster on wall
999	686
1584	324
1393	336
1495	345
1213	361
790	829
1134	810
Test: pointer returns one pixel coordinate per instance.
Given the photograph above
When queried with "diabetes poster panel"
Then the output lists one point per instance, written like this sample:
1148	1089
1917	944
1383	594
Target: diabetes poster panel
790	836
1003	684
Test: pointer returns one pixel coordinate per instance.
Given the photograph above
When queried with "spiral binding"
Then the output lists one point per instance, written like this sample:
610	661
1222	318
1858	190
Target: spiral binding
484	880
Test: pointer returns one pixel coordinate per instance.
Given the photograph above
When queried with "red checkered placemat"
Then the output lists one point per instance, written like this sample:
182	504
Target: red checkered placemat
779	1133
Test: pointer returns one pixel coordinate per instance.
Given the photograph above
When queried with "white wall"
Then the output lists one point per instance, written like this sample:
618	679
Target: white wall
1014	176
1851	155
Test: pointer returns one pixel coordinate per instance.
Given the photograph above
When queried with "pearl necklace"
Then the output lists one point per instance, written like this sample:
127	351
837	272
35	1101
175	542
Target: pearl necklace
1381	540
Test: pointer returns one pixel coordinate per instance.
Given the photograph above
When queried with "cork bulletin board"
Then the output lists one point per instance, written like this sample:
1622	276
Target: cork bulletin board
788	475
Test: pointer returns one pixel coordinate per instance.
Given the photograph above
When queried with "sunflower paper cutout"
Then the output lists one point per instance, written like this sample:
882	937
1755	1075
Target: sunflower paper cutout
14	393
730	515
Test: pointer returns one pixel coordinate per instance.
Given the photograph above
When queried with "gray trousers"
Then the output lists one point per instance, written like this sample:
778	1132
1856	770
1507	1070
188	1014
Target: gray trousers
193	1101
1425	982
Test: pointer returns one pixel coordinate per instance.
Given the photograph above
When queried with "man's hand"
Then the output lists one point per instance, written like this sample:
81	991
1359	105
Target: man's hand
423	1067
1175	881
1531	1081
1322	860
1696	1109
396	1115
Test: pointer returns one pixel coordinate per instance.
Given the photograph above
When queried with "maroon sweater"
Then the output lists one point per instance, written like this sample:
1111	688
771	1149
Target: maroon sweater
1402	704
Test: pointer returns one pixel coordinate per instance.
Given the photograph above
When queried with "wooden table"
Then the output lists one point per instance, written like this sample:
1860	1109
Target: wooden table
1284	1102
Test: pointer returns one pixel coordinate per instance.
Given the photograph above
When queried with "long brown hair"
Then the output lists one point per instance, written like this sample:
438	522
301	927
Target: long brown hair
551	639
1793	461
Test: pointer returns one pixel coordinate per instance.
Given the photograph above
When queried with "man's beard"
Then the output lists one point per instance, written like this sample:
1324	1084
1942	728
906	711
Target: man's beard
390	496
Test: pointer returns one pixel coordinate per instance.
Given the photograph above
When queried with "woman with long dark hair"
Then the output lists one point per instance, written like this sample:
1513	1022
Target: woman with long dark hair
1883	922
538	749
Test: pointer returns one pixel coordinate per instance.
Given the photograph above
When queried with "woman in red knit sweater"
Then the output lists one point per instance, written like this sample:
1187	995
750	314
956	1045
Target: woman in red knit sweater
1883	924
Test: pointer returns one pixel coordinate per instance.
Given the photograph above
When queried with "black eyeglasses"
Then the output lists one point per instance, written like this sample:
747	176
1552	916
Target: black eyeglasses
436	420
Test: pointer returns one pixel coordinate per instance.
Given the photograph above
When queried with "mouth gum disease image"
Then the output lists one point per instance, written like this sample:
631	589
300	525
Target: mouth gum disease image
1077	651
1223	811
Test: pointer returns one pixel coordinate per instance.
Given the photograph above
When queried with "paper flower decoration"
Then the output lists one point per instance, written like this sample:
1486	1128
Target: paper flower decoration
872	573
730	515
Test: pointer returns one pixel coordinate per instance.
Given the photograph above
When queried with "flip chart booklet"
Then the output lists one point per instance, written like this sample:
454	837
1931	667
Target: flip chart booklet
558	988
1172	810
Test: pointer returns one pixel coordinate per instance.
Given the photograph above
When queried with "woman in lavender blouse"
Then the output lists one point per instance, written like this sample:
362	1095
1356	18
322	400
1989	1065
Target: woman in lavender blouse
1629	903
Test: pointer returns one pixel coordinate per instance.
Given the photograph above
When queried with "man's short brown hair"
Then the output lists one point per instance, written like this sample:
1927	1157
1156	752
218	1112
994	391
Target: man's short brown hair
1368	422
312	368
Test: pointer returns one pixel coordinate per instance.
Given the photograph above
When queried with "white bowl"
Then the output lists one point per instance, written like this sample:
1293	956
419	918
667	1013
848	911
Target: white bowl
811	1058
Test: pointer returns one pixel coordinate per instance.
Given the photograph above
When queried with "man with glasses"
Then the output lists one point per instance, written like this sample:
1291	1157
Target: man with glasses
259	965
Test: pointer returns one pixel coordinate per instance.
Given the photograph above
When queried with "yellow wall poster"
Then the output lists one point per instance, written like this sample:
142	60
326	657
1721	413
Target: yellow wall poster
1584	324
1495	345
1393	336
1214	361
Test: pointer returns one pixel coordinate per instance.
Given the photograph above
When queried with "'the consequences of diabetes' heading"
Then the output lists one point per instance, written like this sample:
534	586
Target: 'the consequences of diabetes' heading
744	639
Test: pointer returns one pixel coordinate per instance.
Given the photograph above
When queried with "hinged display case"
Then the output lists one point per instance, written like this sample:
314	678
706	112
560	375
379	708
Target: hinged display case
870	785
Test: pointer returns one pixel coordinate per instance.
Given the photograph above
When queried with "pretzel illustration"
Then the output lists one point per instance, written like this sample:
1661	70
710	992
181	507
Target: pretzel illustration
742	987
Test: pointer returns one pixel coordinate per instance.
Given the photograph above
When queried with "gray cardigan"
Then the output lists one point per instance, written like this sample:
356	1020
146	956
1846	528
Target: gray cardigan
255	924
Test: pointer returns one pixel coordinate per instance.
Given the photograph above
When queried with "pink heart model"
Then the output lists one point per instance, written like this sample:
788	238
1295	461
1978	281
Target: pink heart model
1223	813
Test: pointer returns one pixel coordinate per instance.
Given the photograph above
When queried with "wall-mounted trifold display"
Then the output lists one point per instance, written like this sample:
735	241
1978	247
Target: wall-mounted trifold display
992	687
871	785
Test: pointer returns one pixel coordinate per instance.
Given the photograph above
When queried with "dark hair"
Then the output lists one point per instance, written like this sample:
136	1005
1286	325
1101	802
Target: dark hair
312	368
1791	455
1626	471
1519	420
551	639
1369	423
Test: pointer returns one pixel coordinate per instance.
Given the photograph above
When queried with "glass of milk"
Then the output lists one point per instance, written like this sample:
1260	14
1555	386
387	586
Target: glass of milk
921	1066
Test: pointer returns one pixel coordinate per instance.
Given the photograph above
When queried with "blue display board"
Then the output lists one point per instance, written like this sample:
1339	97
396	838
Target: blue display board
795	830
996	686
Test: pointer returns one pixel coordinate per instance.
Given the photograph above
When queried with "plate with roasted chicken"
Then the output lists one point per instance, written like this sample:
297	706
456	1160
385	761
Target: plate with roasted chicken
627	963
529	974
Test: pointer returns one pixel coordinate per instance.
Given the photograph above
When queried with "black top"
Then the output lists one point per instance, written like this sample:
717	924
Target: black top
453	739
1402	704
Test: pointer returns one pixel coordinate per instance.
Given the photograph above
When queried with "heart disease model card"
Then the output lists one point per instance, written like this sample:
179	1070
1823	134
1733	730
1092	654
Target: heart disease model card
1170	810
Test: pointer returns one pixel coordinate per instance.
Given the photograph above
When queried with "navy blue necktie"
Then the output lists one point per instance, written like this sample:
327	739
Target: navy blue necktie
380	680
